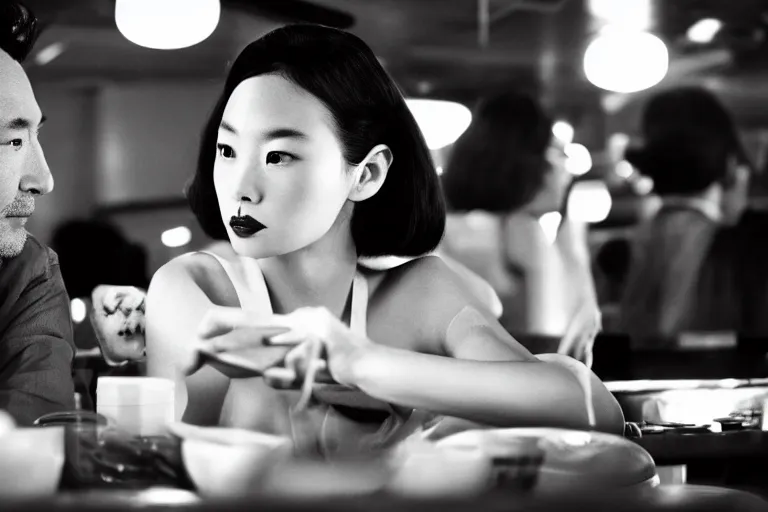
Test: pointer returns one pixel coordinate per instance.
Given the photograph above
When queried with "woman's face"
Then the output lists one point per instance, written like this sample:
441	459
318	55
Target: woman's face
280	175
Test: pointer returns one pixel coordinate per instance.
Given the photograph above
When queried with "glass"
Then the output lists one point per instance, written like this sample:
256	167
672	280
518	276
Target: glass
99	455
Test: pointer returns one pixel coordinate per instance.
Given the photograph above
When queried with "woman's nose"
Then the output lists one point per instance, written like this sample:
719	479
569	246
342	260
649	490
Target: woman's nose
248	186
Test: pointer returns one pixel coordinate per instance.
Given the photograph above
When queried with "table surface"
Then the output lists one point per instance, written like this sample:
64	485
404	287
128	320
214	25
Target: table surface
673	448
685	498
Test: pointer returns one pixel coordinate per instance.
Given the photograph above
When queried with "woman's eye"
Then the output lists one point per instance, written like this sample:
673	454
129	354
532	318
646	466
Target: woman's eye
279	158
225	151
16	143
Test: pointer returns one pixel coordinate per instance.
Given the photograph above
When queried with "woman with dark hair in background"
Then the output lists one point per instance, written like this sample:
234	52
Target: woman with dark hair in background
309	161
700	170
506	172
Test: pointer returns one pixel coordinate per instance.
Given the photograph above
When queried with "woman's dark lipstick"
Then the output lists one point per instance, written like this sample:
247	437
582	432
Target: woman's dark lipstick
245	226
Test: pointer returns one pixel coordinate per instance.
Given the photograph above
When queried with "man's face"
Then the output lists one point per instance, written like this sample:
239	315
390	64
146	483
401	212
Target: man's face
24	172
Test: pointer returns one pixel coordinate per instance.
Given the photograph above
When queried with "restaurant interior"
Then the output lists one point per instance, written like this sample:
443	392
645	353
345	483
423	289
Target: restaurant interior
126	97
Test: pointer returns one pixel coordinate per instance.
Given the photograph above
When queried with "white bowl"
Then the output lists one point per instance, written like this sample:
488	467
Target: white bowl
227	462
562	459
31	460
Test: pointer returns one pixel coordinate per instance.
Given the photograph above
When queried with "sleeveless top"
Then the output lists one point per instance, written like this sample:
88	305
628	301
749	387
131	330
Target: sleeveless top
340	420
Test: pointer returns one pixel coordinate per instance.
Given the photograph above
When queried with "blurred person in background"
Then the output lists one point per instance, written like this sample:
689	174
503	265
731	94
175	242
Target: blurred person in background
36	349
677	281
612	263
506	172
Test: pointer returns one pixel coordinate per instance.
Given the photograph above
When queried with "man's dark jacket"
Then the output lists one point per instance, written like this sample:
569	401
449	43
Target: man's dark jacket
36	341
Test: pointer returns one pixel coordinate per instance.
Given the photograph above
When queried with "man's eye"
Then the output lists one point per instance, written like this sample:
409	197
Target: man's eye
225	151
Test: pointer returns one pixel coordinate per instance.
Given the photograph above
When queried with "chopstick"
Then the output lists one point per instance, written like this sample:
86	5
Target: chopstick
315	363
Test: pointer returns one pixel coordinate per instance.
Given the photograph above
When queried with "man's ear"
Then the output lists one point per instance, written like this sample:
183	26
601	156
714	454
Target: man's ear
371	173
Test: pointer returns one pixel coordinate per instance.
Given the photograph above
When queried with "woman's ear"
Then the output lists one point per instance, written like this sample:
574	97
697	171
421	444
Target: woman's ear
737	174
371	173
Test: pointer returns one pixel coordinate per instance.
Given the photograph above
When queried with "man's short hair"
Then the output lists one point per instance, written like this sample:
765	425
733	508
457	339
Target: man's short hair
18	29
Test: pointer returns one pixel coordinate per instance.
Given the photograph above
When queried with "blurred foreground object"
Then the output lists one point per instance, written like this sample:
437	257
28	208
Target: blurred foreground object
118	321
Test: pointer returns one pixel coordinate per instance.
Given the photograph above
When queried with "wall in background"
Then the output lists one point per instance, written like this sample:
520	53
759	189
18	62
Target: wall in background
121	143
147	141
68	142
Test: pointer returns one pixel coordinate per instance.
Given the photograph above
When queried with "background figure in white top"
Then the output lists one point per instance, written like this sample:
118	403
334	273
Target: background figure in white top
506	172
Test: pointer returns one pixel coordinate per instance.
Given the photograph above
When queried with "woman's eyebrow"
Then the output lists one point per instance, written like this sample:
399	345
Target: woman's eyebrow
285	133
272	134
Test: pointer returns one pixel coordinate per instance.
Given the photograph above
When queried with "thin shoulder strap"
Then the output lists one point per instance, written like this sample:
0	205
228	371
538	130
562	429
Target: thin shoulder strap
359	310
247	296
257	286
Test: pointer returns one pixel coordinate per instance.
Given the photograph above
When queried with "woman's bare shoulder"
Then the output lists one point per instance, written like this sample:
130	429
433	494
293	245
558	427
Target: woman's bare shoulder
422	293
197	269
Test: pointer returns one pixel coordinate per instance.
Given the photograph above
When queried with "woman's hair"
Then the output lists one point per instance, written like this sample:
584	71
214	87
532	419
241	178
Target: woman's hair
407	215
18	30
688	138
499	163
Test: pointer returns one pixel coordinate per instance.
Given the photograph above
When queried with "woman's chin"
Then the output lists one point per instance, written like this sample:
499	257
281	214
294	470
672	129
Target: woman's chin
248	249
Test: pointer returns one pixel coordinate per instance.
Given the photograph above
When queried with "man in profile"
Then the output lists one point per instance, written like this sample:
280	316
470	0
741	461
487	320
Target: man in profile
36	348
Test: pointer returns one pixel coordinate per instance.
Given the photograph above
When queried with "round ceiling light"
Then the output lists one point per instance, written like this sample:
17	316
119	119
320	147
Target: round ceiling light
167	24
704	31
579	160
441	122
563	131
626	61
589	201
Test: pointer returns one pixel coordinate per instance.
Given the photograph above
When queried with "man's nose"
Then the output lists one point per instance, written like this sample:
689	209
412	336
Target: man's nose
36	176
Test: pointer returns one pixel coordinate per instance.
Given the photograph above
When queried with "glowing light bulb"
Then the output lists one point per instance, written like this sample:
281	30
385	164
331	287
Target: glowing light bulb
563	131
79	310
626	61
550	223
441	122
624	169
167	24
589	201
579	160
704	31
176	237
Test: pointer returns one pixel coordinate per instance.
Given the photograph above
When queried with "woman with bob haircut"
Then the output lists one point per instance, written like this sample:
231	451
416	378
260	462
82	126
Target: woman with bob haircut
309	161
505	173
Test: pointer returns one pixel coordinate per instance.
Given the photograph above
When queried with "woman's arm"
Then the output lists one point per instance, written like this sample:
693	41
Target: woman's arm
489	378
175	305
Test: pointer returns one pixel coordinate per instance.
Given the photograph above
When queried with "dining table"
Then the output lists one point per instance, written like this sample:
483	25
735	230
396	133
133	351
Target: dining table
664	498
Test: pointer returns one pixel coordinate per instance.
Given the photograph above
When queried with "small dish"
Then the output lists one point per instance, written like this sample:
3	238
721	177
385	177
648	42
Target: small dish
227	462
31	462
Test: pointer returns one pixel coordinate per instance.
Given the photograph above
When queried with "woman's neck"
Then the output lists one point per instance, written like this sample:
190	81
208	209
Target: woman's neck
319	275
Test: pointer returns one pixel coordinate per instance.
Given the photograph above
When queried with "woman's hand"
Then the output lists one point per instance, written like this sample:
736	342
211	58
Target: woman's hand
579	339
314	333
